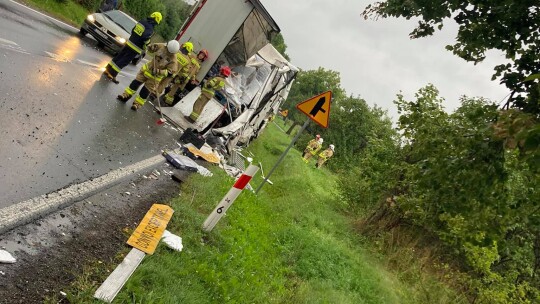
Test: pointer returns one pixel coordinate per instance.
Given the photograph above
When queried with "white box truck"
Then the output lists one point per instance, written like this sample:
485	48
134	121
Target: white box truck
238	33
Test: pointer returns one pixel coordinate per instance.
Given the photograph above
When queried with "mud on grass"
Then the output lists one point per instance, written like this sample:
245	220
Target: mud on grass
54	251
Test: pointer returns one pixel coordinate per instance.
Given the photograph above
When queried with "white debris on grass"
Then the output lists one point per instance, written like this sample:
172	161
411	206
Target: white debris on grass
6	257
172	241
203	171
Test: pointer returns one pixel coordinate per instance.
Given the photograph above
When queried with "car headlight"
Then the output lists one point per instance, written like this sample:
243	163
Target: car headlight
120	39
90	18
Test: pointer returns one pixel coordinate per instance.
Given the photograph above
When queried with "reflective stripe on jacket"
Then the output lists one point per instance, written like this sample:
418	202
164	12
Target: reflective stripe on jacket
214	84
140	35
326	154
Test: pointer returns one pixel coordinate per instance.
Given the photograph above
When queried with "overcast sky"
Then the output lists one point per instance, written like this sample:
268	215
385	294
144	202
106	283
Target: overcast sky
376	59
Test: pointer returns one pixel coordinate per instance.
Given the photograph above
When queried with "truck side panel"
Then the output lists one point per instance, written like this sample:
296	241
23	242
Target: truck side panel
214	26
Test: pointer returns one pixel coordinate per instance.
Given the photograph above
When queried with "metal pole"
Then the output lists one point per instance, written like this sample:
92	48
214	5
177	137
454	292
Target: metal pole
283	155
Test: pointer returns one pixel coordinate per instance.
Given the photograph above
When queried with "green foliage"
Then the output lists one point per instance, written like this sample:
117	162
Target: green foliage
459	182
174	14
288	244
366	145
511	27
311	83
68	11
91	5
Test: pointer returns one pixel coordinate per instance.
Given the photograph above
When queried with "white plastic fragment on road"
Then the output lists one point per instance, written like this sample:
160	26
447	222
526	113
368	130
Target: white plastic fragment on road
6	257
203	171
172	241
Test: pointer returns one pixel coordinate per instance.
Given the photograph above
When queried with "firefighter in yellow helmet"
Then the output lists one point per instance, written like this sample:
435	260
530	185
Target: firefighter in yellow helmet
184	64
180	82
151	73
208	91
324	156
312	148
137	42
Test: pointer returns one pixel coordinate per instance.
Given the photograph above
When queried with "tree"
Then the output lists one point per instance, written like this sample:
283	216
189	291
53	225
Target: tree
511	27
460	183
174	13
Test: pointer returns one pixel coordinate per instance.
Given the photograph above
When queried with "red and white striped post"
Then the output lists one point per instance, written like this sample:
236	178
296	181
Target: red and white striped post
229	198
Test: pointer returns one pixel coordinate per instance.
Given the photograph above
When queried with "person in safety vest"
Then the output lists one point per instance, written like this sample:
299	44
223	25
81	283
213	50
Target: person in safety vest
180	83
207	92
312	148
185	76
137	42
184	64
324	156
151	73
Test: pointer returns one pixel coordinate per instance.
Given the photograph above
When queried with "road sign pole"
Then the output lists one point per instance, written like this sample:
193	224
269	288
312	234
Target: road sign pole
229	198
282	156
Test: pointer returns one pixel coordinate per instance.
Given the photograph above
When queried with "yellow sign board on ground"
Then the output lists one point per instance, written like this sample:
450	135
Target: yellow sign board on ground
147	235
317	108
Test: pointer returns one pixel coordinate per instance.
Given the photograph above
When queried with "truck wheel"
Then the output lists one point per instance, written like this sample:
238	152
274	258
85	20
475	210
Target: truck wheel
83	32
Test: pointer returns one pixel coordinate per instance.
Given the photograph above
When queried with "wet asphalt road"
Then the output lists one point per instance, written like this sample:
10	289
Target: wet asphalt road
59	120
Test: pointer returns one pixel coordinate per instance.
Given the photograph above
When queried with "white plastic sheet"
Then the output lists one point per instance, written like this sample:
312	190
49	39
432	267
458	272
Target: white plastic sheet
172	241
6	257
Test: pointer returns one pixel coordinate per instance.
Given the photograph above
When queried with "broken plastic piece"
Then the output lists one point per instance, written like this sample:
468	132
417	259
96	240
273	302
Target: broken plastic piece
172	241
6	257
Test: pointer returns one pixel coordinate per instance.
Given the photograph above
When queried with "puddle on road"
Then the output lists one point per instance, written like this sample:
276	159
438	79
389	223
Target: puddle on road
57	57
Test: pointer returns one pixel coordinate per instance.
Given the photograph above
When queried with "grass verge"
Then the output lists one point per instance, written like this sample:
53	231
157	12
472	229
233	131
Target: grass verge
289	244
67	11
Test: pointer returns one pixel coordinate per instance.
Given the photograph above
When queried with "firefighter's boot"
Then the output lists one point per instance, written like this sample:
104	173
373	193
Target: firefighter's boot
124	97
168	100
136	106
110	76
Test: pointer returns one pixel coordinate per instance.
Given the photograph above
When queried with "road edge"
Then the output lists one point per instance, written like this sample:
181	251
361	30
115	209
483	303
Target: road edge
26	211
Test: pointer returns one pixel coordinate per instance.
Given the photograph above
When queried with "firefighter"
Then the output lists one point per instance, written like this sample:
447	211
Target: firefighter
184	64
207	92
190	77
312	148
151	73
189	74
325	156
139	39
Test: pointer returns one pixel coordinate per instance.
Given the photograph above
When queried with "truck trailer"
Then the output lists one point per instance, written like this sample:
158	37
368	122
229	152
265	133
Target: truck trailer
237	33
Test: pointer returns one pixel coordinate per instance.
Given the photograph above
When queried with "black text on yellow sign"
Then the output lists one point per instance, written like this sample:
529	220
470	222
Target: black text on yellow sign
147	235
317	108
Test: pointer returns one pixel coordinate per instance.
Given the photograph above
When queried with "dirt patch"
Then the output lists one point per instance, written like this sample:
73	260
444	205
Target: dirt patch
52	252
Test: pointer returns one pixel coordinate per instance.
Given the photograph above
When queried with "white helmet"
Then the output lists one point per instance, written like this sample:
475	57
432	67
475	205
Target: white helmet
332	147
321	140
173	46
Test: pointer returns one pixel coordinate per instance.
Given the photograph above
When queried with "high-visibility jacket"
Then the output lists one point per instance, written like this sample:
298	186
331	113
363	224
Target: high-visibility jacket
213	84
194	67
184	63
162	65
326	154
313	146
141	34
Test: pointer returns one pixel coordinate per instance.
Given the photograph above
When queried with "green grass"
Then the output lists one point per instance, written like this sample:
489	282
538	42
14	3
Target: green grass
68	11
290	244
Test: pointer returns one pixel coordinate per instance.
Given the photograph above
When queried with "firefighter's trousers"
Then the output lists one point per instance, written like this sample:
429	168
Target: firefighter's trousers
121	60
308	154
178	84
199	104
150	84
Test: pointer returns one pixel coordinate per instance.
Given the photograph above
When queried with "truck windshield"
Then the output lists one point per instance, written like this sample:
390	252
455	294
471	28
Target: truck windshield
123	20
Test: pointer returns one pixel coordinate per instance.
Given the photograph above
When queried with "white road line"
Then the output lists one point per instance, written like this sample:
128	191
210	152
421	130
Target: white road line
40	13
29	210
8	41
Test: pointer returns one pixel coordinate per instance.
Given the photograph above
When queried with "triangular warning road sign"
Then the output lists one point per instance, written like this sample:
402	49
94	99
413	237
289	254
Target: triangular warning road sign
317	108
